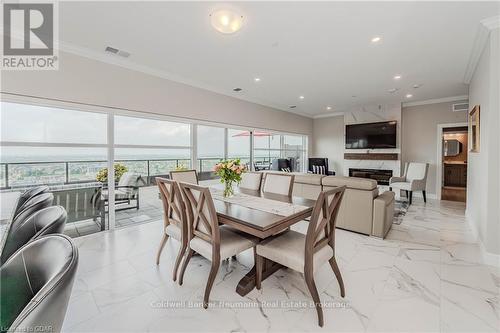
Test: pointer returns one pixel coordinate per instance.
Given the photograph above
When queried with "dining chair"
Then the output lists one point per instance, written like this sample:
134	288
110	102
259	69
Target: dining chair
33	205
205	237
50	220
306	253
36	285
278	183
186	176
251	181
174	218
28	194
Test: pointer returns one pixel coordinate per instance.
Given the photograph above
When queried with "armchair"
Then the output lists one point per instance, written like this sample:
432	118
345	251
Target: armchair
414	179
126	190
319	166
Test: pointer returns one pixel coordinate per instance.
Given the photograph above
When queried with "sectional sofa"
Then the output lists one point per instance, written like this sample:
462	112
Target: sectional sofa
363	209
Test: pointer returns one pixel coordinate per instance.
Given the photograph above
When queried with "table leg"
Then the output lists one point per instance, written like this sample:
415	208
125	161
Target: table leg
247	283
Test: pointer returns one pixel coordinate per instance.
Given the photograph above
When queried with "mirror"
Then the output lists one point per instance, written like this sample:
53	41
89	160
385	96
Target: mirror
452	147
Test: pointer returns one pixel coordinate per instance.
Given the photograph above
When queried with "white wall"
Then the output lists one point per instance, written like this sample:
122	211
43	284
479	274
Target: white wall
83	80
328	141
483	199
419	135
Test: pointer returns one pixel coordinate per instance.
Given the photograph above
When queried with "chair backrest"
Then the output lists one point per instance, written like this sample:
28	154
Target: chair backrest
251	180
319	164
34	204
36	284
278	183
416	171
321	229
28	194
130	182
185	176
202	216
50	220
174	210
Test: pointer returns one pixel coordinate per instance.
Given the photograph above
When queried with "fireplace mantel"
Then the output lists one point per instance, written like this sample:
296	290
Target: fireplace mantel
372	156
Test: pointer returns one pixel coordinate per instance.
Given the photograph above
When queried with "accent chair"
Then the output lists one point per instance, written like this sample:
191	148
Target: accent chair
414	179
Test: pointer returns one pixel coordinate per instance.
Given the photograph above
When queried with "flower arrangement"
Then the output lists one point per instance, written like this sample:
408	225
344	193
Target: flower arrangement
230	172
102	175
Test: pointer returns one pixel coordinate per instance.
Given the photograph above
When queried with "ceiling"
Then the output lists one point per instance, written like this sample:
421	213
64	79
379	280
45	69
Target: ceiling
320	50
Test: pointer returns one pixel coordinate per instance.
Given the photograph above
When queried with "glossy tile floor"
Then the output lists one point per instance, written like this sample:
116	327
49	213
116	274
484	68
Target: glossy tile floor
425	277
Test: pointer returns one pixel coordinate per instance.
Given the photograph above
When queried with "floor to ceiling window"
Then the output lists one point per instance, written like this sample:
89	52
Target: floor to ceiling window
269	147
238	145
210	149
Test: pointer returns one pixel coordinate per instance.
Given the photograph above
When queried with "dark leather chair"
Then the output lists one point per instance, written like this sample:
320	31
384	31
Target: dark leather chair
50	220
319	162
34	204
36	285
281	164
28	194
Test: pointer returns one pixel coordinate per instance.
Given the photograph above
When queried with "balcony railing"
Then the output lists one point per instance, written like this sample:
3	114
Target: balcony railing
21	174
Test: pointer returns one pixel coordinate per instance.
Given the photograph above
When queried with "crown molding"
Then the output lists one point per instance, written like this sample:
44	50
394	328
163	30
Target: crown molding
480	40
328	115
437	100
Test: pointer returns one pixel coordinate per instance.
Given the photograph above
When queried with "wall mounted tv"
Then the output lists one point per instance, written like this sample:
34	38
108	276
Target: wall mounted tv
371	136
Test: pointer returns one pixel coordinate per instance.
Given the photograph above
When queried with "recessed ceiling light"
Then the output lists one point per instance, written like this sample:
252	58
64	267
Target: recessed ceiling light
292	106
257	79
392	90
416	86
409	95
397	77
237	89
376	39
226	21
301	97
328	107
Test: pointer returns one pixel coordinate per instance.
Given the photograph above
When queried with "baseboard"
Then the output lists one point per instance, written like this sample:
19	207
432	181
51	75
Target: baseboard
488	258
419	194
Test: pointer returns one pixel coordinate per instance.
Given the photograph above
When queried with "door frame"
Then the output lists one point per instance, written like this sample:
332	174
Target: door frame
439	159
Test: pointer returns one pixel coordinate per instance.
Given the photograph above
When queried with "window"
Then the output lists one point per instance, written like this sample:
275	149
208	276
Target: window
210	149
238	145
268	147
143	131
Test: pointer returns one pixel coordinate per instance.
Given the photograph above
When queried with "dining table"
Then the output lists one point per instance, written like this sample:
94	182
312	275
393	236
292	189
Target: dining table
262	215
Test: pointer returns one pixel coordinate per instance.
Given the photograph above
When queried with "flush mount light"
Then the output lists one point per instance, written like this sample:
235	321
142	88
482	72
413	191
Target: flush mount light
257	79
328	107
376	39
409	95
416	86
301	97
226	21
397	77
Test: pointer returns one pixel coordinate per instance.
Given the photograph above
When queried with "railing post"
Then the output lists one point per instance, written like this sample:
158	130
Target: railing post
67	172
148	173
201	169
7	175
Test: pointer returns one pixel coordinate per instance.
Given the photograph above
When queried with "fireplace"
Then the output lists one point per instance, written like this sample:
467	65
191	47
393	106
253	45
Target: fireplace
381	176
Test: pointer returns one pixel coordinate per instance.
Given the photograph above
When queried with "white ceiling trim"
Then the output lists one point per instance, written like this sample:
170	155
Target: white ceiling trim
437	100
328	115
128	64
482	34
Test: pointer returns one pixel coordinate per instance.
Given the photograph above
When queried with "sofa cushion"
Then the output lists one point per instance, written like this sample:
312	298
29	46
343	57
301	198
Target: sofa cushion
350	182
308	178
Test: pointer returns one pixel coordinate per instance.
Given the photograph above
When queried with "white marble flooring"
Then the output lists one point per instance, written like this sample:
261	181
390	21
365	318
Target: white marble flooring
425	277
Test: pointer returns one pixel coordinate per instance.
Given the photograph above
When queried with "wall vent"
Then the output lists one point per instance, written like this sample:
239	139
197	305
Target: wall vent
117	52
460	107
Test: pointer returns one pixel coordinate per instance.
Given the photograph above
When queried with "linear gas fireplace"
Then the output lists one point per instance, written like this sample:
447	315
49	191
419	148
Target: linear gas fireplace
381	176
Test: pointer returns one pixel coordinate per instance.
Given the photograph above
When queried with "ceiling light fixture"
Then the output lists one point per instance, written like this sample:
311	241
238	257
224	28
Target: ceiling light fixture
301	97
328	107
392	90
257	79
409	95
397	77
226	21
416	86
376	39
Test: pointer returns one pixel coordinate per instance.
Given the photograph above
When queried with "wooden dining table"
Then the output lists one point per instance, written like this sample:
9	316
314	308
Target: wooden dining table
261	223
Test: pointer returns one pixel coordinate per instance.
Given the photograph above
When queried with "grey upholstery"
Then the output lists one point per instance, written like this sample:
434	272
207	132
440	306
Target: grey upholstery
33	205
36	285
50	220
28	194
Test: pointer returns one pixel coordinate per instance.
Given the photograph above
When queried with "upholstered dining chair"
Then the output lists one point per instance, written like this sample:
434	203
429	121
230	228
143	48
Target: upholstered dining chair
186	176
50	220
174	218
33	205
278	183
251	181
28	194
414	179
206	237
306	253
36	284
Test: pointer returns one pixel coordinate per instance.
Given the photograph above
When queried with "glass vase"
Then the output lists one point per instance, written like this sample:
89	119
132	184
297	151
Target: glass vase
228	189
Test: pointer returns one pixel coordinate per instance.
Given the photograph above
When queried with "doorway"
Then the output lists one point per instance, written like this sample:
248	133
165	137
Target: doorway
454	150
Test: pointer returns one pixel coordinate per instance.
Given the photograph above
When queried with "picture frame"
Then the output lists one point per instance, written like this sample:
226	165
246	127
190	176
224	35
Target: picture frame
474	129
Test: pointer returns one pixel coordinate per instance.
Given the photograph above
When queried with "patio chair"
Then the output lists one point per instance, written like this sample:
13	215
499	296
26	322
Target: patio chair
126	191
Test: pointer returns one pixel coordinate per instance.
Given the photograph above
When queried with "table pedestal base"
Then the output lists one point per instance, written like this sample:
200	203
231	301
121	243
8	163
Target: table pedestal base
247	283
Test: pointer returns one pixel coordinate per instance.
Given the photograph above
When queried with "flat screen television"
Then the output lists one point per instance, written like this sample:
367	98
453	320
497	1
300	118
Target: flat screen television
371	136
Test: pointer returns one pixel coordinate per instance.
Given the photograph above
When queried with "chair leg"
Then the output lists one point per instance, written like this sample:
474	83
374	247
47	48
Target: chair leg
314	293
187	256
411	197
390	188
425	196
336	270
259	263
160	249
182	250
210	282
407	195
